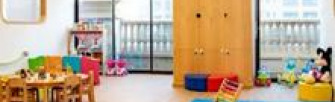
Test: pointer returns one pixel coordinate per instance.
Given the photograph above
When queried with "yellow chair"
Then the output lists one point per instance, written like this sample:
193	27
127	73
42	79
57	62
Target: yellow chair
314	92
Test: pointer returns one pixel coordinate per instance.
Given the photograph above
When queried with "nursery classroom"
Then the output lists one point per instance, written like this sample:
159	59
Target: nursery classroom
167	50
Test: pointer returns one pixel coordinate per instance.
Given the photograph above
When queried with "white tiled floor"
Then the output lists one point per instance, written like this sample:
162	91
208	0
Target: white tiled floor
158	88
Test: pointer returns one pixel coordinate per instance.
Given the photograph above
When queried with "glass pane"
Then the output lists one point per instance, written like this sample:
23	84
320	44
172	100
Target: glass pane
162	35
132	33
94	14
293	33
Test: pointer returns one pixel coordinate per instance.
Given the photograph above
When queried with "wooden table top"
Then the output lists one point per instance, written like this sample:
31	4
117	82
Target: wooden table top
34	81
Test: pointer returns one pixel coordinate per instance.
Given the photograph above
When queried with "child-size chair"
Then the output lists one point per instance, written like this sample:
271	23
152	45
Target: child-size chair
90	64
73	62
35	63
53	64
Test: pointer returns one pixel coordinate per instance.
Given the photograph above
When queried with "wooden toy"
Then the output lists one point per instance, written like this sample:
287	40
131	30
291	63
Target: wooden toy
229	91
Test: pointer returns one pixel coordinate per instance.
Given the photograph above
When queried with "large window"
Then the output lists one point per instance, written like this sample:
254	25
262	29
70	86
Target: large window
142	34
293	32
162	35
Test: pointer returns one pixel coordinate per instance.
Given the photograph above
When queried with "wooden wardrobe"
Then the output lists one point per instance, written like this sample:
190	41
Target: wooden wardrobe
213	37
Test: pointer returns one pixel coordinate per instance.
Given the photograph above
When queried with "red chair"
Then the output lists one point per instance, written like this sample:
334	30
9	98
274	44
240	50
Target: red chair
90	64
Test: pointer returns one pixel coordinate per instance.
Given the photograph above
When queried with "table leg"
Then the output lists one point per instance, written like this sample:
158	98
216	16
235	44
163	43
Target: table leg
45	94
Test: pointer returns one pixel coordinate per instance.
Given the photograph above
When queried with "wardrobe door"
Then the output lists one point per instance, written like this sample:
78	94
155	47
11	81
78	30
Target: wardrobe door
209	37
185	39
239	40
222	27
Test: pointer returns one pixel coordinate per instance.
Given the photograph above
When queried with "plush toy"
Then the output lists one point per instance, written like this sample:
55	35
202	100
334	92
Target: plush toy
324	61
322	73
288	76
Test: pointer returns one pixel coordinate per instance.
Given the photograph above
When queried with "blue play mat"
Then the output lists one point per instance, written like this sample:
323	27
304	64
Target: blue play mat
212	100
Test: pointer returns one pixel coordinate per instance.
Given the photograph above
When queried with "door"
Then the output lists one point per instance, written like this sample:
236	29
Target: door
209	32
185	39
239	39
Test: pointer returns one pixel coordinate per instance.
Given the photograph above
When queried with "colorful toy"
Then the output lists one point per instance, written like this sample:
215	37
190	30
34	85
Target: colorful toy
263	78
117	67
323	73
229	91
288	76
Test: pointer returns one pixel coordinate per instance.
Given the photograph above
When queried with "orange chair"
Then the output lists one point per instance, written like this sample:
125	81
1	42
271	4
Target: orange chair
1	91
15	88
53	64
70	90
88	87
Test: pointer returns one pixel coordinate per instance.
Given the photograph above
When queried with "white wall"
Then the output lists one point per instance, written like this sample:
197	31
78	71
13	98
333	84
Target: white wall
49	37
328	28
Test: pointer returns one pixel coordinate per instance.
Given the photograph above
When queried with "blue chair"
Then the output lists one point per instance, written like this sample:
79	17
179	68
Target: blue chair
74	62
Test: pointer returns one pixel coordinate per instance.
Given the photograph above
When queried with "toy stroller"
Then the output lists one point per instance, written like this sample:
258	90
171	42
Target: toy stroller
229	91
288	76
117	67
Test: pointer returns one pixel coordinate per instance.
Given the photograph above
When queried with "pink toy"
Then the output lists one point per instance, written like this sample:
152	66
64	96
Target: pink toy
111	64
122	70
117	67
89	64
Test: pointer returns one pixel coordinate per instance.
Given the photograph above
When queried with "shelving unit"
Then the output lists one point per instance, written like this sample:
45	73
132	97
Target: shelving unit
92	43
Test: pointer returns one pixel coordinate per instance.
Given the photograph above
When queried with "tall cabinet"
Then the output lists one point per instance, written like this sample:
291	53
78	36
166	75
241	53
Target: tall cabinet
213	37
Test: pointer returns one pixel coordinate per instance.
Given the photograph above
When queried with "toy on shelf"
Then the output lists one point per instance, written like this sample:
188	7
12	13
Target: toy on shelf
117	67
263	78
229	91
288	76
321	72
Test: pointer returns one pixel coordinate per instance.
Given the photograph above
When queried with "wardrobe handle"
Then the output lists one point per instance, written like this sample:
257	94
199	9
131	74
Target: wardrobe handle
201	51
195	51
225	15
198	15
227	52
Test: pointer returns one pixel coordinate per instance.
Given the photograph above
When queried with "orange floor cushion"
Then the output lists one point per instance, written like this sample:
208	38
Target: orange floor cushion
314	92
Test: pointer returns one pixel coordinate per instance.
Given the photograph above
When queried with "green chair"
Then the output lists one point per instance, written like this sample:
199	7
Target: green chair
36	62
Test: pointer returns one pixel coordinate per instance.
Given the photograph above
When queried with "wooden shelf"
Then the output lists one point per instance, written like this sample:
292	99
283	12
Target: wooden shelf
86	32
